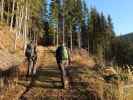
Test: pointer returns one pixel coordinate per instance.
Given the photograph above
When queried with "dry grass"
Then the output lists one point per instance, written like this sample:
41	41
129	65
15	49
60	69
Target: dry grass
7	39
82	58
7	43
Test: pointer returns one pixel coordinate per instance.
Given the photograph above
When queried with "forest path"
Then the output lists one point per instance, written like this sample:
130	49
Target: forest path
47	84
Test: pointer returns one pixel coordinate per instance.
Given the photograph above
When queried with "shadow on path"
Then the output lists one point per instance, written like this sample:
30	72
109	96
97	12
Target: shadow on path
47	78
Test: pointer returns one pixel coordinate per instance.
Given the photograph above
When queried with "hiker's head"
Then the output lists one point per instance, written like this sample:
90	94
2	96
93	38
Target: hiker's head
63	44
30	42
60	40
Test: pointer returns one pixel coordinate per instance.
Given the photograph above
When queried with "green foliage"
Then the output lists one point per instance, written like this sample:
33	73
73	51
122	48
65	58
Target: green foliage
100	34
122	51
92	30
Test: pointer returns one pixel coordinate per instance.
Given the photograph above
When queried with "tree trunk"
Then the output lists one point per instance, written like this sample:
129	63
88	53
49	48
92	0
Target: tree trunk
54	36
15	41
63	31
2	10
57	36
26	25
79	40
71	39
19	21
63	23
21	17
88	46
8	12
13	7
16	26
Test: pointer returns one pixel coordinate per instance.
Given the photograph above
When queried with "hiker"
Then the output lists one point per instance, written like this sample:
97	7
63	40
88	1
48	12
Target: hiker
31	55
63	59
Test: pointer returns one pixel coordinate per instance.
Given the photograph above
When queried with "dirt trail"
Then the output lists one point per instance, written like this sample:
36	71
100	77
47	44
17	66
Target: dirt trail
47	84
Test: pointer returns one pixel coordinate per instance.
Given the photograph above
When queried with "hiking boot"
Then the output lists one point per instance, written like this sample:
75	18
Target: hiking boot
66	84
28	77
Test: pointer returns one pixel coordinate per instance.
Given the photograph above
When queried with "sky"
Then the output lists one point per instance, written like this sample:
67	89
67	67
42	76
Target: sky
121	12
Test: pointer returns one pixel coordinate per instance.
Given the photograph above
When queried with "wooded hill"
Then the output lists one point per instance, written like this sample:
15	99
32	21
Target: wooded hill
128	36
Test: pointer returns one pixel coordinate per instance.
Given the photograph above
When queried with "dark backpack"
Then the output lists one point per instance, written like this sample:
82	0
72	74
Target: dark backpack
61	53
58	53
29	51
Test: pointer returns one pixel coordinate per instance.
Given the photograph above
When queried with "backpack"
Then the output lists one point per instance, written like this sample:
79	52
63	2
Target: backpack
61	53
64	53
29	51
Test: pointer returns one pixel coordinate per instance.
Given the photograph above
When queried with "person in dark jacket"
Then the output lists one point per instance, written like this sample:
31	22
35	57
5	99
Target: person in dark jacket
31	55
62	59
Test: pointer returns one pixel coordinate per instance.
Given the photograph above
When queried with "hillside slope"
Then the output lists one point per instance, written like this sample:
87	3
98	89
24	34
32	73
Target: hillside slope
128	36
7	39
9	57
